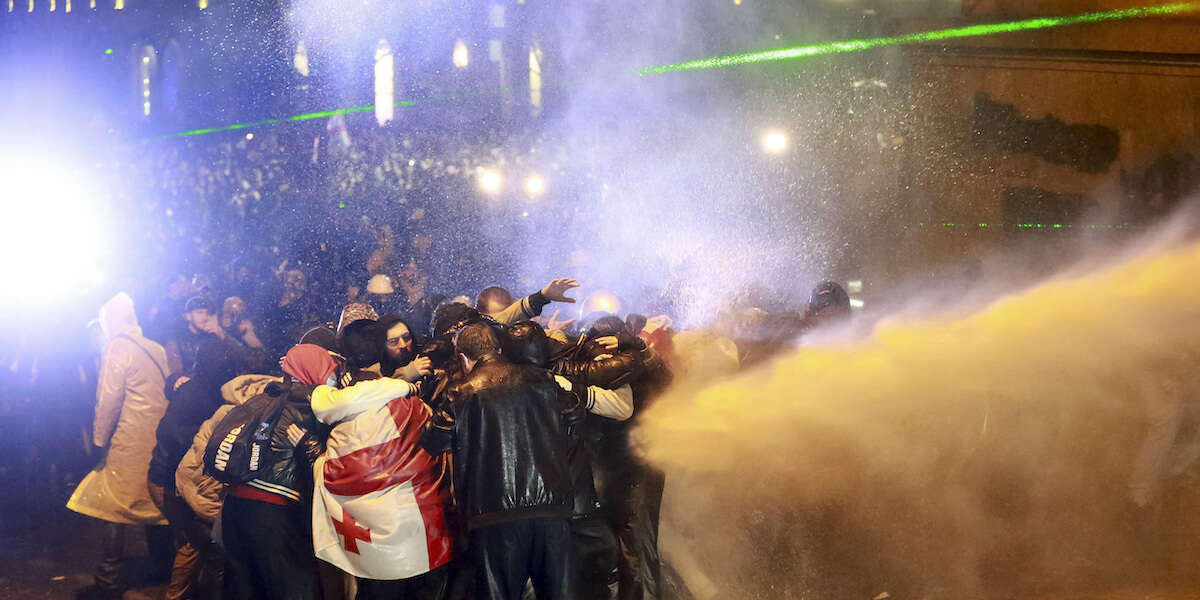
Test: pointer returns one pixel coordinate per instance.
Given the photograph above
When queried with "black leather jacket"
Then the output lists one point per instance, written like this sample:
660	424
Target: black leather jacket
629	363
609	373
508	426
291	475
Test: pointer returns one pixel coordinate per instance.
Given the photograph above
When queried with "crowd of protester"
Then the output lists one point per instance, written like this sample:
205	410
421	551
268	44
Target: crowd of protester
425	439
320	197
435	441
450	448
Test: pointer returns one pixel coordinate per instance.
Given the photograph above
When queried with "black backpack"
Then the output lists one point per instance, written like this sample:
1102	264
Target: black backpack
240	445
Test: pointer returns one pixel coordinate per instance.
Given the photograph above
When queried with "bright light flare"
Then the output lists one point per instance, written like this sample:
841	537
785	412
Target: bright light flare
490	181
602	301
535	185
774	142
54	241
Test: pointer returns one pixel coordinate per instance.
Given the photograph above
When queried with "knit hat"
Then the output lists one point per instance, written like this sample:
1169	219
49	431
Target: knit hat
380	284
309	364
356	312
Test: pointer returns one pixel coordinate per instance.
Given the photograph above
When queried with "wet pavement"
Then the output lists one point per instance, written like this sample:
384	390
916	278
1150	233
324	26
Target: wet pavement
49	552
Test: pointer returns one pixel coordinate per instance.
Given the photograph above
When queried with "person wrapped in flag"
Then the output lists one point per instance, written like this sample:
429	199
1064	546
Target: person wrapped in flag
381	504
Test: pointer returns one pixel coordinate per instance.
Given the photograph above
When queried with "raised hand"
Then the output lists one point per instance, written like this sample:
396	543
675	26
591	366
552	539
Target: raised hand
555	290
555	325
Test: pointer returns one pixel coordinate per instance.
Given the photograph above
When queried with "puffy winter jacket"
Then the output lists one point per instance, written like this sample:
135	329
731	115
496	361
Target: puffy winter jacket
201	492
507	425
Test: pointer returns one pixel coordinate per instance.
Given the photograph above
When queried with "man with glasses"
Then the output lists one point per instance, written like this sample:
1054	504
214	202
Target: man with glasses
398	354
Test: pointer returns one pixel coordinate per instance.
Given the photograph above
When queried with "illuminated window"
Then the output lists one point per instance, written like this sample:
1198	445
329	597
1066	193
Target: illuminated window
119	5
461	57
67	6
535	78
10	5
30	5
385	83
202	4
53	5
92	4
300	59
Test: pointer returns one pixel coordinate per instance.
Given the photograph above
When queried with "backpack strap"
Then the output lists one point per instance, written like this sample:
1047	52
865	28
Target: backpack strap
147	353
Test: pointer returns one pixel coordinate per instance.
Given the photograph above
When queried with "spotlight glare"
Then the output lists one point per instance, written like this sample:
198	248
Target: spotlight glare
490	181
534	185
774	142
57	241
602	301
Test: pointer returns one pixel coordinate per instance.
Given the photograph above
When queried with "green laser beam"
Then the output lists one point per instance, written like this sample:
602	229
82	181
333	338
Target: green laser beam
304	117
812	50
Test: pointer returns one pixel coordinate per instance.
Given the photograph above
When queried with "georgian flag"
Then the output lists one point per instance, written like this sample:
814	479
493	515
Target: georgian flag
380	509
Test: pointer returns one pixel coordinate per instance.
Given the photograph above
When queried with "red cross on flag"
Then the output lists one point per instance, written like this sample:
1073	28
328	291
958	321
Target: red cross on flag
351	532
381	501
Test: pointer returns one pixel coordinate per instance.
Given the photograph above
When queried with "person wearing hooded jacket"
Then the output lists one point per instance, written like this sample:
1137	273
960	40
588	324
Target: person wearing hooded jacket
129	403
